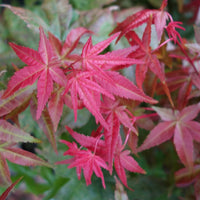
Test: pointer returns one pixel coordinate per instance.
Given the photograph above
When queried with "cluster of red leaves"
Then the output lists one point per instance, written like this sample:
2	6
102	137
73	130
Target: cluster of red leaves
91	79
64	77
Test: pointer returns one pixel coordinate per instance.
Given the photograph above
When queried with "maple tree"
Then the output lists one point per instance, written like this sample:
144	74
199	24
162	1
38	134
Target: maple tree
75	74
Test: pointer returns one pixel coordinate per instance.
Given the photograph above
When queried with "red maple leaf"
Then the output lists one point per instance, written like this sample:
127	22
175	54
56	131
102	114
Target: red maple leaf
123	160
180	126
86	160
145	53
115	116
89	78
91	59
159	18
42	64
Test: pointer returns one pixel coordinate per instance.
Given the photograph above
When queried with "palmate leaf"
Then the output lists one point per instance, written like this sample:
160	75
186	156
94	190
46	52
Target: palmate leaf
123	160
42	64
181	126
145	54
91	59
89	85
84	159
110	107
159	18
63	51
81	85
90	163
115	114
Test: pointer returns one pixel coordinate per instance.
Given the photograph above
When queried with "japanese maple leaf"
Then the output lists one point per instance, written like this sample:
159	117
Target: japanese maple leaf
145	53
42	64
89	85
86	160
91	60
159	18
179	125
81	85
115	116
123	160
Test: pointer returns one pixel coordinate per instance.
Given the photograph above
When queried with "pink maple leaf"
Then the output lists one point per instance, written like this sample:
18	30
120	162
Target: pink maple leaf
42	64
159	18
145	53
124	161
179	125
82	85
89	78
91	59
86	160
115	116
